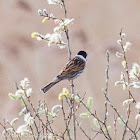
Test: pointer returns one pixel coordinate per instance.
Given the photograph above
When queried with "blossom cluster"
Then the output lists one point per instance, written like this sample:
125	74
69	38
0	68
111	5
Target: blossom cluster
54	38
23	93
132	76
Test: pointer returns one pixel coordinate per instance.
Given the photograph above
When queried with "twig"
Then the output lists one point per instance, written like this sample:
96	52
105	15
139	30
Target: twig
82	129
65	120
72	85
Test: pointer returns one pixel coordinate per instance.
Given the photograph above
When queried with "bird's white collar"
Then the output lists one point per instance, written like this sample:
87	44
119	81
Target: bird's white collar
83	58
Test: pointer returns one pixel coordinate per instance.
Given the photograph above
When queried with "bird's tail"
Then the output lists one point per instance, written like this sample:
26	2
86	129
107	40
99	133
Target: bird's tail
47	87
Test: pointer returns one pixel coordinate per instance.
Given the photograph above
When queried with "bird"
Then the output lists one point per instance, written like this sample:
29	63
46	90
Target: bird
71	70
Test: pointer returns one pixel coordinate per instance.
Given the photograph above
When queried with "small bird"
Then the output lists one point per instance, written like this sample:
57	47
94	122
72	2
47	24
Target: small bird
71	70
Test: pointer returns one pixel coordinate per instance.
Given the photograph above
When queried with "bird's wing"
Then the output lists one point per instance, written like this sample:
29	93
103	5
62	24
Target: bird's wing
73	66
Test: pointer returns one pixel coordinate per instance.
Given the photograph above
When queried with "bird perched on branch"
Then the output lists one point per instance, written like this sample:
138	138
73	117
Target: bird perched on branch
71	70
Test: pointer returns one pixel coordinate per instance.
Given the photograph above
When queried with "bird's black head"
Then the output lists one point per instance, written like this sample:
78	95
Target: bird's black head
83	53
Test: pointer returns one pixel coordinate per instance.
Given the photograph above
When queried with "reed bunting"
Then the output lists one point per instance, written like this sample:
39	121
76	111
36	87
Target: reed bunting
70	71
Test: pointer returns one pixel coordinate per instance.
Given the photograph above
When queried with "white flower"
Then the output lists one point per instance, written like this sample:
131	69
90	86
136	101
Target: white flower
13	96
51	15
45	11
134	72
54	38
119	55
19	93
127	46
124	64
57	29
123	35
55	109
55	2
13	121
39	38
62	46
122	76
124	84
23	111
28	119
42	109
127	102
58	21
135	84
68	22
138	105
119	42
47	36
137	117
5	131
25	83
23	129
62	24
29	92
51	137
117	83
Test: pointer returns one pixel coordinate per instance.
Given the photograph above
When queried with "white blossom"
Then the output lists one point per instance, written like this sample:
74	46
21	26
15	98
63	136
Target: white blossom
25	83
23	129
19	93
55	109
54	38
123	35
127	46
13	121
124	84
138	105
135	71
23	111
68	22
29	92
62	46
119	55
127	102
122	76
124	64
51	15
28	119
63	24
117	83
119	42
135	84
42	109
51	137
45	11
5	131
39	38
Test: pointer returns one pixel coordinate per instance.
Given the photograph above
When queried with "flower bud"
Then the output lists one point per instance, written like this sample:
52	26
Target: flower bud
40	12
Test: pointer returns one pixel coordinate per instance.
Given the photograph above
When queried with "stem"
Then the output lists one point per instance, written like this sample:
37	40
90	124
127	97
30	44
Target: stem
72	85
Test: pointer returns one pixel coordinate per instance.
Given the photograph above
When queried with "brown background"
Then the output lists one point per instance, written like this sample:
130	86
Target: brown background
96	28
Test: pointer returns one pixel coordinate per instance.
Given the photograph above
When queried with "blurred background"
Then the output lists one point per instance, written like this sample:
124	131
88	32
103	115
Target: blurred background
96	29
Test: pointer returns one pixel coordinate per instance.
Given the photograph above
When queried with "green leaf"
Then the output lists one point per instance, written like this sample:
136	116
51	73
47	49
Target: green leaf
89	102
85	114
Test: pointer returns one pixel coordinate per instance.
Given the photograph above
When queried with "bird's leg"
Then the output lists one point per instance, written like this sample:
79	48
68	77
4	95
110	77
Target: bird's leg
71	83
